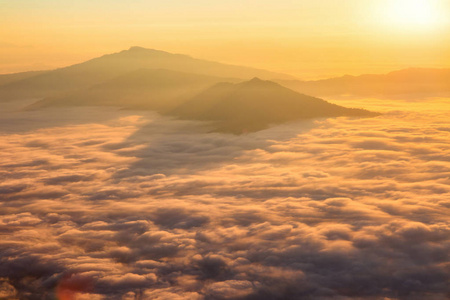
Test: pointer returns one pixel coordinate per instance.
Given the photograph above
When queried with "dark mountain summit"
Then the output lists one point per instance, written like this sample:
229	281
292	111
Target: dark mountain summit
255	104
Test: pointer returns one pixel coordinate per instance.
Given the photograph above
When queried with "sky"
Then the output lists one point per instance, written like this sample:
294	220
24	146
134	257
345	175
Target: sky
309	39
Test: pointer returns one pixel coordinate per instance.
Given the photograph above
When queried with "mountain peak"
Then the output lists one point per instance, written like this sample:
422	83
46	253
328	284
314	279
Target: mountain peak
137	48
100	69
257	82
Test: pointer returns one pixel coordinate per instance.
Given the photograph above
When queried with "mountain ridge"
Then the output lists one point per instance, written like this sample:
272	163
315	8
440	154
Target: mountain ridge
256	104
410	83
155	89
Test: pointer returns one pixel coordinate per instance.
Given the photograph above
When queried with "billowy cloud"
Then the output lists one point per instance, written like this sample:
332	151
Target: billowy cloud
127	205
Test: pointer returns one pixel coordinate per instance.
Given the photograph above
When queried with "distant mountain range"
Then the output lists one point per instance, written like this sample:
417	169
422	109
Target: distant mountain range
414	83
95	71
175	85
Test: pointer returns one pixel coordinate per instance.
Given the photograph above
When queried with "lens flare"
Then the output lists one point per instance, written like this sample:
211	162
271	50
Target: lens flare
413	13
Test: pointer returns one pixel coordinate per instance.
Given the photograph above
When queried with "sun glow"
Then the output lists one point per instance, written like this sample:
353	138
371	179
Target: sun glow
413	13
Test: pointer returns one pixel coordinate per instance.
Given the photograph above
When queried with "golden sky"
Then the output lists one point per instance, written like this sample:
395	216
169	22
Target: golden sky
309	39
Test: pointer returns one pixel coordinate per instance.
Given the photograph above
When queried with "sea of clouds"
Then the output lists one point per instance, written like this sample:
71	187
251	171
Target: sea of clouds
112	204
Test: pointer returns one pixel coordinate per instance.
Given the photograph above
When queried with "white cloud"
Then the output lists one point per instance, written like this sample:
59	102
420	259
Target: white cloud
124	206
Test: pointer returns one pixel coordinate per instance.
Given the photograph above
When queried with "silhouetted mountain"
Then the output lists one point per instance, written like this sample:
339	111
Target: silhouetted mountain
408	83
9	78
255	104
97	70
143	89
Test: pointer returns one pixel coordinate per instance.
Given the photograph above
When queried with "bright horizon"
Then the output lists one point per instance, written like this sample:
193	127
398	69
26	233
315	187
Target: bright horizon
305	39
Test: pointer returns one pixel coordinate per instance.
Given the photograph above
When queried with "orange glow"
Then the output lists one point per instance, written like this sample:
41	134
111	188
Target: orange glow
72	285
305	38
257	149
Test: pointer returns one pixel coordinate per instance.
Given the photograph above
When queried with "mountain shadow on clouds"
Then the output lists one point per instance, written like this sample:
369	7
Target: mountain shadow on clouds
254	105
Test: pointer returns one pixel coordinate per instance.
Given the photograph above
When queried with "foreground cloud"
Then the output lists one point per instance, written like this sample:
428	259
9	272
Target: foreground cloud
142	207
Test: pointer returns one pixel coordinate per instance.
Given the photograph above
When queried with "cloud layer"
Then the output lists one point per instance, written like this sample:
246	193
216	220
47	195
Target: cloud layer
136	206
